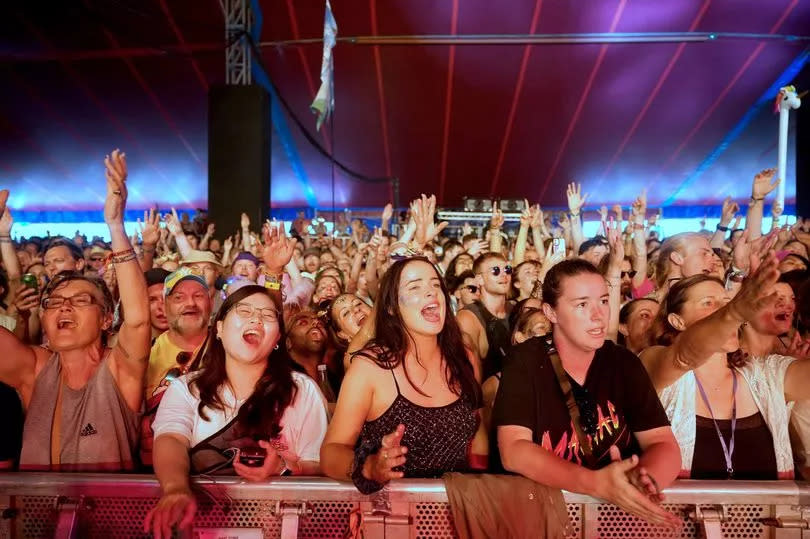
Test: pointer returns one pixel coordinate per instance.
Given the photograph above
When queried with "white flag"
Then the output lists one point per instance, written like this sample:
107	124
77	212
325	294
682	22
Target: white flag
324	101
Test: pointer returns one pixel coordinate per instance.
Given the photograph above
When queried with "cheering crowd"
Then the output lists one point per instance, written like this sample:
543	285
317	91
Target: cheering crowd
608	366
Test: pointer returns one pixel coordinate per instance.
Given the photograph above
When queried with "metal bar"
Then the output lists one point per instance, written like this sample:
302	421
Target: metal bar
407	490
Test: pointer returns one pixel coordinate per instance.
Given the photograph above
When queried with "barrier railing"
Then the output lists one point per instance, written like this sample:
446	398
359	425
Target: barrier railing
113	506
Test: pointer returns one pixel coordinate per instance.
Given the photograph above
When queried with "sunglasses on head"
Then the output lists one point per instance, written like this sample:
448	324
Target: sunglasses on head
631	273
496	270
587	409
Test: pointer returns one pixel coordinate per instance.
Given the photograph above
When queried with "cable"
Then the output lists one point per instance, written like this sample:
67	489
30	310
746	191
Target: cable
315	144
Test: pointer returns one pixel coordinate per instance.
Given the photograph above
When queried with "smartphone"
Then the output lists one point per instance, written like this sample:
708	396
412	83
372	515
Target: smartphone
252	456
558	246
29	280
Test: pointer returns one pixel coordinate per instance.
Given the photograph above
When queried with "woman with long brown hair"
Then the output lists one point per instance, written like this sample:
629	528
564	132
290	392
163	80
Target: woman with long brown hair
409	404
245	411
717	399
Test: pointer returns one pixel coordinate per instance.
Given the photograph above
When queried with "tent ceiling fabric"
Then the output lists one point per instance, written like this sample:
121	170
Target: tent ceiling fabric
479	120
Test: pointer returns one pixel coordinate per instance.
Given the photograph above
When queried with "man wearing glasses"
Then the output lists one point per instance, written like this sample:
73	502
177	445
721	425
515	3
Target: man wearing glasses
485	323
464	290
82	398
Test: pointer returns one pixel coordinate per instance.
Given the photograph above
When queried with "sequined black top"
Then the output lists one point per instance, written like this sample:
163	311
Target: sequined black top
437	438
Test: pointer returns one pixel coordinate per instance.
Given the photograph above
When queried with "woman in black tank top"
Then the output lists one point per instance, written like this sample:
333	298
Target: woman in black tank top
409	404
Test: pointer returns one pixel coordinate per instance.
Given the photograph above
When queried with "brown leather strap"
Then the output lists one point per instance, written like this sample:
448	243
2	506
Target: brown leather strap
570	402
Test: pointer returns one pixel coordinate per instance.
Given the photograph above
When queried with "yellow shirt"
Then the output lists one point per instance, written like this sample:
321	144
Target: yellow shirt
162	358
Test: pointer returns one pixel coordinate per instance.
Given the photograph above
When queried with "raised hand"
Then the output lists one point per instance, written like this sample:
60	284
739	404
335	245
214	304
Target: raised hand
173	223
527	215
388	212
26	300
210	230
244	221
798	347
116	173
764	183
616	255
575	198
478	247
603	213
776	209
3	199
497	218
150	227
537	216
278	248
466	229
6	220
730	209
227	245
757	291
379	467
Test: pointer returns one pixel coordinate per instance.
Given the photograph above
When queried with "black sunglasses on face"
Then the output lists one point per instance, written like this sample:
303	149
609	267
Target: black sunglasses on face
631	273
496	270
471	287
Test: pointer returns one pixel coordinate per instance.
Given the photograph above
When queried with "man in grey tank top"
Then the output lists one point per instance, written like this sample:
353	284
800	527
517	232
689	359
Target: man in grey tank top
82	399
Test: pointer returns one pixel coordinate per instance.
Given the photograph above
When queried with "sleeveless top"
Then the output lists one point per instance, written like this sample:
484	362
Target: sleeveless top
437	438
98	431
499	337
754	460
766	380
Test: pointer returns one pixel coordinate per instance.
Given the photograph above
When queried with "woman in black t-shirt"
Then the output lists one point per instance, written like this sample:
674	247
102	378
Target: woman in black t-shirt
621	416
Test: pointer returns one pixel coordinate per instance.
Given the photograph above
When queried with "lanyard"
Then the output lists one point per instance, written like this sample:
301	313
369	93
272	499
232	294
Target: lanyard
728	450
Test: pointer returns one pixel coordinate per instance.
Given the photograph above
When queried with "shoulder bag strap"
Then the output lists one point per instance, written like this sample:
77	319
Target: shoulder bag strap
570	402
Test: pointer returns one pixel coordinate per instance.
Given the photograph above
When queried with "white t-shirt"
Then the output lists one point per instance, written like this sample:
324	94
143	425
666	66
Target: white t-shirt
303	425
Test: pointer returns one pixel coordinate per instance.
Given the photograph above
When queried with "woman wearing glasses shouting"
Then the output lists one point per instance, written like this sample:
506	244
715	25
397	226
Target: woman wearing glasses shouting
82	399
615	443
244	411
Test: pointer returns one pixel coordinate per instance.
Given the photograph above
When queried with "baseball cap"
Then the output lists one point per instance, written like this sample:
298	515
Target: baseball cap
196	256
182	274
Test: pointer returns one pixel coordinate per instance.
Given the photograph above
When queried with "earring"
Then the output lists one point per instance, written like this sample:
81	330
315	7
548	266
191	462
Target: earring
276	347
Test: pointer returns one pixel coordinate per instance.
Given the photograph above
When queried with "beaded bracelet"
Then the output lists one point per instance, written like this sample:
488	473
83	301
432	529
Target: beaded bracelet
125	257
365	486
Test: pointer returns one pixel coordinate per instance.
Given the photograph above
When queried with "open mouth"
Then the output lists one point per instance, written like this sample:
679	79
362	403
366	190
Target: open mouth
65	323
431	313
597	332
252	336
783	316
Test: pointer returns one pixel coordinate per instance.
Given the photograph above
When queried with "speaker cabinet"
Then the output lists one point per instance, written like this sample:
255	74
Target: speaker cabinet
238	156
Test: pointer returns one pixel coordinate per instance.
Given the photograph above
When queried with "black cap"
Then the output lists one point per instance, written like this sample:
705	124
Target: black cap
156	276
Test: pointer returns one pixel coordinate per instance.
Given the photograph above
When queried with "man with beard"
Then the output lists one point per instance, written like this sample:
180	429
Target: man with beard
485	323
188	309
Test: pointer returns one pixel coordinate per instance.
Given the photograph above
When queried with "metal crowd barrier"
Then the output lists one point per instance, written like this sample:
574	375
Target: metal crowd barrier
114	506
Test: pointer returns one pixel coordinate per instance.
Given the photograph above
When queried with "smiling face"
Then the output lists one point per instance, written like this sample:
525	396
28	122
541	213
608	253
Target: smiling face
250	330
580	316
247	269
327	288
421	301
349	312
188	308
79	321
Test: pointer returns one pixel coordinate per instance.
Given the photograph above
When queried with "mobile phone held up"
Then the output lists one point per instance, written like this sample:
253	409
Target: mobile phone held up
252	456
29	280
558	246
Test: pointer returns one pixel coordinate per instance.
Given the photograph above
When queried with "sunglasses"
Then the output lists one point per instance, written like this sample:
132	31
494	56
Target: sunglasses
631	273
472	288
496	270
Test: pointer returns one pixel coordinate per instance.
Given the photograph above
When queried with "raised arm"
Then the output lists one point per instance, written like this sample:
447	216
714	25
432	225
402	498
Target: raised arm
176	230
206	239
539	231
576	200
730	209
523	234
495	224
131	354
150	233
639	240
763	184
10	260
614	279
706	337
